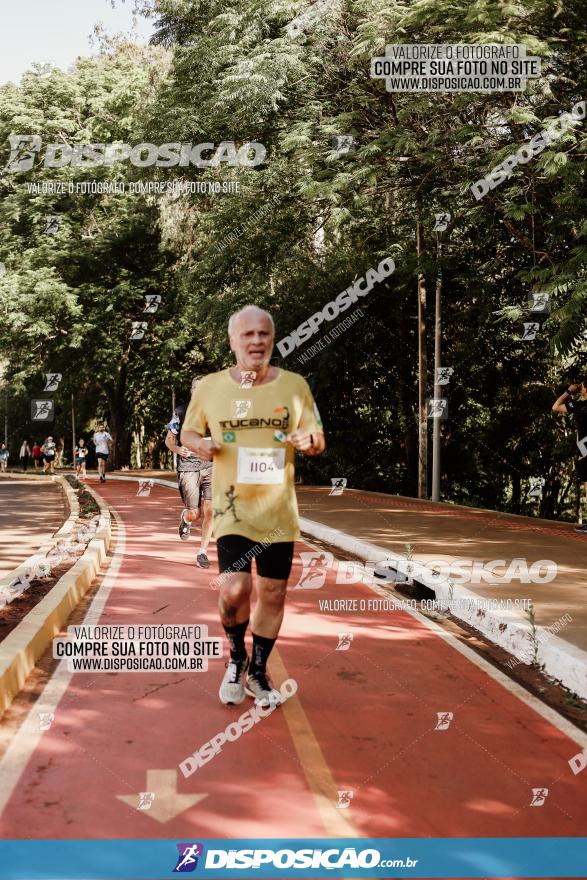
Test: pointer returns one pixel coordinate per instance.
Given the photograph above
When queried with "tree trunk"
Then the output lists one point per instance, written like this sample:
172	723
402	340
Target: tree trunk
422	366
121	436
409	482
436	424
120	420
516	491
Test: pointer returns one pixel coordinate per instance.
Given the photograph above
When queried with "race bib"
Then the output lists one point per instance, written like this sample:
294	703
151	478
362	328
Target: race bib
262	466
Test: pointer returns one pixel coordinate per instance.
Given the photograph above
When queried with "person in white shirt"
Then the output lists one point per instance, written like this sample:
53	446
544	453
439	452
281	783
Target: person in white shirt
48	450
81	453
102	442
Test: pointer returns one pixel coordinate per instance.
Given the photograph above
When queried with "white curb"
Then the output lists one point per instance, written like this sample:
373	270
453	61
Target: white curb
508	629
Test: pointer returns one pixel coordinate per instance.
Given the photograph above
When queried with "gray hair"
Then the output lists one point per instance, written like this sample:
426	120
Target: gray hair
234	318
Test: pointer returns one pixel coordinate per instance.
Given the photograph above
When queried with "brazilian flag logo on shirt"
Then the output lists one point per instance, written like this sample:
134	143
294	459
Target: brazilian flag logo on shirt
229	436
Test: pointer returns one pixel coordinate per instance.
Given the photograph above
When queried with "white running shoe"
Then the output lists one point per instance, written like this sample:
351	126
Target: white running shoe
232	688
259	687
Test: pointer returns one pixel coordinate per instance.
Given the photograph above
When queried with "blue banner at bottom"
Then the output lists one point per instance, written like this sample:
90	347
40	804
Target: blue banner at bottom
503	857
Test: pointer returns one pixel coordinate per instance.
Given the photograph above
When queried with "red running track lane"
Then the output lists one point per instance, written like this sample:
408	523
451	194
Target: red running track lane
372	709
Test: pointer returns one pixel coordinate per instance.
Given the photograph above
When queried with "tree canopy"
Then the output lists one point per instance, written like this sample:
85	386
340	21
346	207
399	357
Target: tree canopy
293	232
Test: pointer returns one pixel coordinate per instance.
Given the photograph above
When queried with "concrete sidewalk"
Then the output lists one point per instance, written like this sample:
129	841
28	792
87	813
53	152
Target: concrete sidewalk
31	510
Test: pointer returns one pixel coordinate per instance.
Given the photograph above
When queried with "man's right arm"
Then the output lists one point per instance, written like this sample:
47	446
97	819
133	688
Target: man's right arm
559	405
192	439
204	447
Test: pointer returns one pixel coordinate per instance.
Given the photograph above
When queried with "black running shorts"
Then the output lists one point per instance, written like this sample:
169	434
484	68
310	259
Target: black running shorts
235	553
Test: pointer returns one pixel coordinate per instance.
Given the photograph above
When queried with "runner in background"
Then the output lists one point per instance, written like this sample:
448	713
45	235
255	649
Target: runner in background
4	455
194	478
102	442
254	432
24	455
564	405
81	453
36	454
48	451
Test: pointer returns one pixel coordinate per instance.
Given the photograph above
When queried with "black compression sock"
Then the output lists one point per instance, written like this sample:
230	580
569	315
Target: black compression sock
261	649
236	638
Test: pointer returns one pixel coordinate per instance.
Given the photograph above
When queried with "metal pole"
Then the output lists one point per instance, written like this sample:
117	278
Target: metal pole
422	368
437	365
172	411
73	440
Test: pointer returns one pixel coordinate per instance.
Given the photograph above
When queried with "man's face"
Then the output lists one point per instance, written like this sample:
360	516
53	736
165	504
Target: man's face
583	392
252	341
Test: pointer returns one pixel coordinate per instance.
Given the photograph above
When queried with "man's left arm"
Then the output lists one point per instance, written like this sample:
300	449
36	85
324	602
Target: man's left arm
309	435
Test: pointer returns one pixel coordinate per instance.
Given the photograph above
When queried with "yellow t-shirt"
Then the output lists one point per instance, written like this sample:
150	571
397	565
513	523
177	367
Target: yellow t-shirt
253	476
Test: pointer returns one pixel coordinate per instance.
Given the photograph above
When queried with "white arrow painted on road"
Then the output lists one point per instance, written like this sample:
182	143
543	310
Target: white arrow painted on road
167	803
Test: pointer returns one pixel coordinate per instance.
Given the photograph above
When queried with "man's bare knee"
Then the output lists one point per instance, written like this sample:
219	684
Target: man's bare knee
234	591
272	592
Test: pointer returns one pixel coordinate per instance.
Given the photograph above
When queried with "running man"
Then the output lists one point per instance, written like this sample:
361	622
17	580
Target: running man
81	453
578	408
255	428
194	479
102	442
48	451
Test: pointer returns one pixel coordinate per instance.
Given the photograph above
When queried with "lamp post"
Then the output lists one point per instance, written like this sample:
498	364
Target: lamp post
440	227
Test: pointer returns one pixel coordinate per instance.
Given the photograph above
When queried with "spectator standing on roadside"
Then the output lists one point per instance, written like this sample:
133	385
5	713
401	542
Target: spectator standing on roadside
4	454
567	405
24	455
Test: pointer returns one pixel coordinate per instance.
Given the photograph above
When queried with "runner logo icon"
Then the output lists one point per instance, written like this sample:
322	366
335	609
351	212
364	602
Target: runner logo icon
444	719
146	799
187	860
241	408
315	565
539	796
344	799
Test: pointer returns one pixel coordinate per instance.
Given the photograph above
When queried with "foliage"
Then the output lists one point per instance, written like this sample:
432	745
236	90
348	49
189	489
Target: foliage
308	223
